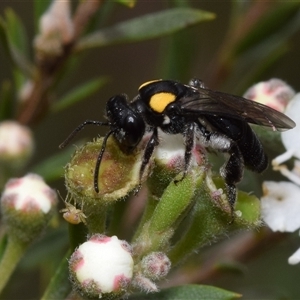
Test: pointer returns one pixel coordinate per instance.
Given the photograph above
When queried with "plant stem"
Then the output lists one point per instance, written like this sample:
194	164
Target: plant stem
12	255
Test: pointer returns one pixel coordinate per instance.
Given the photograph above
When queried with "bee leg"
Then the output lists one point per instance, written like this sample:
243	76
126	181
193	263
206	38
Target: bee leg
189	145
232	172
152	143
99	159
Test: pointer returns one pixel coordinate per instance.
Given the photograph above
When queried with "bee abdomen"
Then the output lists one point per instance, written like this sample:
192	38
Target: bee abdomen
252	151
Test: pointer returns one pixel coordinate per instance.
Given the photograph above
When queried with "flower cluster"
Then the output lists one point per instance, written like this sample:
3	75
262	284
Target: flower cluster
280	203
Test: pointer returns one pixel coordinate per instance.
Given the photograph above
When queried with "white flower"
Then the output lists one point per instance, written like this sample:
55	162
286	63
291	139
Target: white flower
291	142
281	206
102	265
171	151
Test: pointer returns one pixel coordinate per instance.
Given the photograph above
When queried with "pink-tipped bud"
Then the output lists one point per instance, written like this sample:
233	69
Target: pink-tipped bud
16	144
102	265
274	93
56	29
156	265
27	205
144	284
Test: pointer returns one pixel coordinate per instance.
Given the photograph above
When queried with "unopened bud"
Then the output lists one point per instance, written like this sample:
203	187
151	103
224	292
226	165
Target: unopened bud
56	29
156	265
102	266
274	93
27	205
16	144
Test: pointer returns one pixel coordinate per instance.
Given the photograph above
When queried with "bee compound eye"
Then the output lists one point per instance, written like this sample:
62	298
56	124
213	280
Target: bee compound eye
133	129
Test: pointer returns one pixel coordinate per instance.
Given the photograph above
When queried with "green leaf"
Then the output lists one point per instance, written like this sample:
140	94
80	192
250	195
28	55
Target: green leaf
53	168
80	93
271	23
191	291
129	3
16	31
60	286
249	207
15	56
146	27
174	201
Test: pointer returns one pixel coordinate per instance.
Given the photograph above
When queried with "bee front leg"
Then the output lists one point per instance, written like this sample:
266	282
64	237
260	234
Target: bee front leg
189	140
151	144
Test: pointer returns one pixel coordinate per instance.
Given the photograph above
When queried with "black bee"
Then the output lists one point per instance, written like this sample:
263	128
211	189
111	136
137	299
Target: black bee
218	120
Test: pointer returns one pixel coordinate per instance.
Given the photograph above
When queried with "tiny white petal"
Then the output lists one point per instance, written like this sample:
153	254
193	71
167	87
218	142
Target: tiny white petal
281	206
295	258
291	138
170	146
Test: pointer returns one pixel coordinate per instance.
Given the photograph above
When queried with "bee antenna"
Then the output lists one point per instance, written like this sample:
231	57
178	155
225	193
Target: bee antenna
79	128
99	159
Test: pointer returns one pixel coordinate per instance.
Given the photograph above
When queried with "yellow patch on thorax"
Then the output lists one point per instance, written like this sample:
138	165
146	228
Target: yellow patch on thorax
159	101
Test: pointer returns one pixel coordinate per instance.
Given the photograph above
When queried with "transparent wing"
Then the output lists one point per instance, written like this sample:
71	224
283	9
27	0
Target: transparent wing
217	103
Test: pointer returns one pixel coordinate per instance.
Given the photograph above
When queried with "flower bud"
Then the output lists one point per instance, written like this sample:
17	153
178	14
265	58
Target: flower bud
144	284
156	265
274	93
118	173
56	29
102	266
16	144
27	205
26	91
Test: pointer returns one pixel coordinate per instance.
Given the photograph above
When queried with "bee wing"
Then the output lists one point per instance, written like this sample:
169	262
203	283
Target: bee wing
217	103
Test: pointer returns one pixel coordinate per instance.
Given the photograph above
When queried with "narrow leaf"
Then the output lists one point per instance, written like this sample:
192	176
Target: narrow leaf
191	291
82	92
15	56
16	31
279	17
146	27
60	286
129	3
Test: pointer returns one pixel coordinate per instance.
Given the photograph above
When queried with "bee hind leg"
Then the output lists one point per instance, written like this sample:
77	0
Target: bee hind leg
232	172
